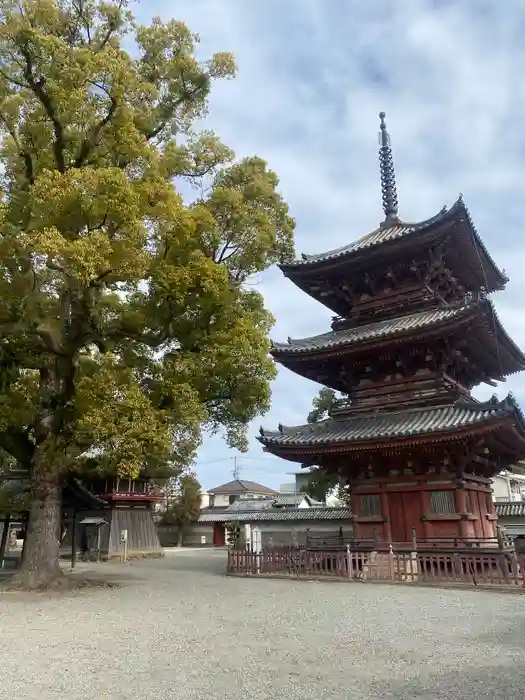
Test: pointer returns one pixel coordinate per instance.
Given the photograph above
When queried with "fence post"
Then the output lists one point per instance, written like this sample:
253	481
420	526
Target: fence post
414	564
349	562
391	562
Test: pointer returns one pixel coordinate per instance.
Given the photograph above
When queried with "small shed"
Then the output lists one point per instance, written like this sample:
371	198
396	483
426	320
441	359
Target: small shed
92	539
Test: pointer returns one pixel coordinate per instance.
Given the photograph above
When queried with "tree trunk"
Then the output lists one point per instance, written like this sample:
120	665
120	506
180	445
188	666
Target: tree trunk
40	560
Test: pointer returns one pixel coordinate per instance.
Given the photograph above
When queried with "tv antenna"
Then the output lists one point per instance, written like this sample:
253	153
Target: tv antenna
236	469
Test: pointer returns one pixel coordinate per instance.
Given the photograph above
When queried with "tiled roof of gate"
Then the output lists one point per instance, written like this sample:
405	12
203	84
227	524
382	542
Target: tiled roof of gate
372	331
386	425
279	514
506	509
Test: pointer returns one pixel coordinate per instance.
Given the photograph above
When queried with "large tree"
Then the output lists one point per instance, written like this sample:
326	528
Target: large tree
126	326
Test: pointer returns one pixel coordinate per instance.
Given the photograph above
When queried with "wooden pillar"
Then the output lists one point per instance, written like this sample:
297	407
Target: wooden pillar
425	508
98	542
491	510
4	540
356	512
385	509
74	539
461	507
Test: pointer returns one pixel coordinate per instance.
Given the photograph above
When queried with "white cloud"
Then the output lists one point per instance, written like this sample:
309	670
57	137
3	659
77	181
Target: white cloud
312	77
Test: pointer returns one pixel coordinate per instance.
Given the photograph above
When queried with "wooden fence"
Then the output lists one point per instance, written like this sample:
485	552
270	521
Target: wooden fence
503	568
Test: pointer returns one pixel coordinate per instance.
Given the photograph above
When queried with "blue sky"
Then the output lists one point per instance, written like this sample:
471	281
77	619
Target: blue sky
313	76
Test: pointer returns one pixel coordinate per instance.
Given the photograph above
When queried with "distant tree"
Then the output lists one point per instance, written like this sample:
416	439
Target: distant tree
14	493
184	505
233	533
321	482
519	468
322	405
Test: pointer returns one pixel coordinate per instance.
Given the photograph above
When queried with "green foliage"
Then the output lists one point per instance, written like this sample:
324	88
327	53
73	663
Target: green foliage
322	404
233	534
321	482
126	327
185	504
14	492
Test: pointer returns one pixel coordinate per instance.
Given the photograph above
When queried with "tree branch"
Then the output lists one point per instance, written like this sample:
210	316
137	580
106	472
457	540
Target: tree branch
90	141
17	443
37	86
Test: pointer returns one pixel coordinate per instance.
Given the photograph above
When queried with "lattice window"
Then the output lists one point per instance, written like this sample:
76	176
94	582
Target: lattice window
442	502
468	501
370	504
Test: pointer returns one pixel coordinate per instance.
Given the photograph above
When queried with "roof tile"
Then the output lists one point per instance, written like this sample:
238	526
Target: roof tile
372	331
385	425
278	515
241	486
506	509
401	230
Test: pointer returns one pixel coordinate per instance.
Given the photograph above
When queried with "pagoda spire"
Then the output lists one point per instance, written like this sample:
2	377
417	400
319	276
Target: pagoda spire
388	176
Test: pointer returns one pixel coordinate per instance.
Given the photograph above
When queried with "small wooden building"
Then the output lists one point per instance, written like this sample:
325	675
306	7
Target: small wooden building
413	334
128	508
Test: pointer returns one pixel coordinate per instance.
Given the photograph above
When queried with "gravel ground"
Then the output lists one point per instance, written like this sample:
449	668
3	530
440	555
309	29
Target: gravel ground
178	629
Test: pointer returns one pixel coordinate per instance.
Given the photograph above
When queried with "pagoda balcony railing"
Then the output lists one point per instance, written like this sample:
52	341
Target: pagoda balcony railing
469	298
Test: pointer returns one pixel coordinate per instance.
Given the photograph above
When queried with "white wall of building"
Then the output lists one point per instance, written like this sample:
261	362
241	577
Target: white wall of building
508	487
220	500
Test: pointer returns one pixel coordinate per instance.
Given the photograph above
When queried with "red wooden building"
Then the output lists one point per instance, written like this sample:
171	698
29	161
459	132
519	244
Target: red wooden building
414	333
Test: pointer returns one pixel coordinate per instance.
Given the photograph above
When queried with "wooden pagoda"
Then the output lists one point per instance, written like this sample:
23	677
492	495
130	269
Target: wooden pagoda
414	333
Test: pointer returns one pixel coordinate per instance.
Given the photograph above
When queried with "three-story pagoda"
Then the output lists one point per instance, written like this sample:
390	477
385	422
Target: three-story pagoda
414	333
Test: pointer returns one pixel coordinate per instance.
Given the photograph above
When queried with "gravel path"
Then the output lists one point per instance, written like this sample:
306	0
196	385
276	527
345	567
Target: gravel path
177	629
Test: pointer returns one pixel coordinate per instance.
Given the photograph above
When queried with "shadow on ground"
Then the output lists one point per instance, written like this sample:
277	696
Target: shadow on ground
498	682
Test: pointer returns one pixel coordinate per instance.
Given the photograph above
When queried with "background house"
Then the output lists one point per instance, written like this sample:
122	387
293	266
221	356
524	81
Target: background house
508	486
283	518
238	489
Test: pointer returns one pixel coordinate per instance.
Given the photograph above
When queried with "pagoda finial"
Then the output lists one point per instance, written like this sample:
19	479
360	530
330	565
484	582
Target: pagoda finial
388	177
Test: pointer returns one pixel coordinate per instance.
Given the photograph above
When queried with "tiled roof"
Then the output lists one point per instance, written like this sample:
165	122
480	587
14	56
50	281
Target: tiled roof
294	499
240	486
401	230
372	331
279	514
375	238
387	425
506	509
250	505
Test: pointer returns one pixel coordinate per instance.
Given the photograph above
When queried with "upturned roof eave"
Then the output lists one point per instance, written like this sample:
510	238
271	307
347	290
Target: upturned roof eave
283	350
504	412
314	263
287	354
